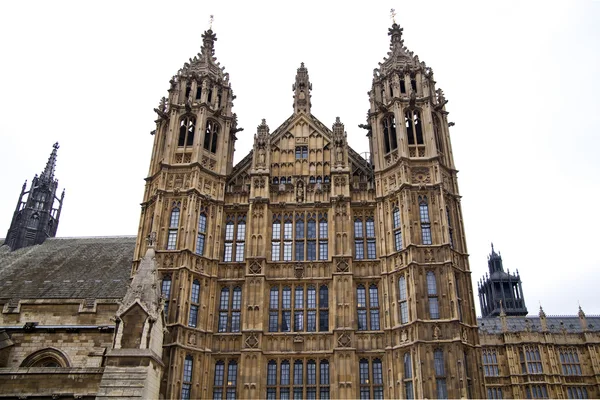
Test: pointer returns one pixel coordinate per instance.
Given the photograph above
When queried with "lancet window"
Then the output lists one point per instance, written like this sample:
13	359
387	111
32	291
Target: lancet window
235	238
432	294
194	304
309	309
230	306
569	360
490	363
440	374
536	392
425	222
450	229
211	136
367	308
186	387
403	299
301	152
531	361
389	133
370	379
166	293
414	133
408	377
397	228
173	227
201	235
187	127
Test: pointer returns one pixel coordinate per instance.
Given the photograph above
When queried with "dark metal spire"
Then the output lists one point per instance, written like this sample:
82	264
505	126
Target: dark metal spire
48	173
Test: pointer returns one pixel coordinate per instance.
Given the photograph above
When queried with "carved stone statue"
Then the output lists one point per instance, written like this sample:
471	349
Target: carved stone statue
300	192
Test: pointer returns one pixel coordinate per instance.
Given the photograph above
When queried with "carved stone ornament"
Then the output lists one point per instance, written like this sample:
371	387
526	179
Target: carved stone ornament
300	192
342	266
252	341
298	339
421	175
255	267
437	333
299	271
192	339
404	336
344	340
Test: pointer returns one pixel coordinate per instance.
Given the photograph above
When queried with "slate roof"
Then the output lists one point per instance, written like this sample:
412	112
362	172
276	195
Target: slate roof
556	324
89	267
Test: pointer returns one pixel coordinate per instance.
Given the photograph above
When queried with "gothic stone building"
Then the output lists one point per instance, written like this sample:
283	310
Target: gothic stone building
305	271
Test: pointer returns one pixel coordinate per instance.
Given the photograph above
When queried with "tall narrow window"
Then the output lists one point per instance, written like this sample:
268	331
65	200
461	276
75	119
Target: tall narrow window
323	235
166	293
231	380
458	297
186	387
408	382
284	380
440	374
195	304
299	237
402	84
272	380
363	371
536	392
299	309
274	310
199	92
211	135
450	230
494	393
370	228
434	310
219	380
368	313
173	227
287	237
187	126
311	380
235	237
577	392
201	236
224	310
276	237
389	133
425	223
323	309
397	227
298	379
403	298
324	380
534	361
286	307
311	237
377	379
569	360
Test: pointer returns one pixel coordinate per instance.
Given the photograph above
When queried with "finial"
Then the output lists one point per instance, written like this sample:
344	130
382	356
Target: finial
210	22
542	313
48	172
492	247
502	312
393	15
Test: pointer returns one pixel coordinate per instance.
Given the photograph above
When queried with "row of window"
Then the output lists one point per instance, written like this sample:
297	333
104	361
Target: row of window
311	179
414	130
310	311
541	392
298	380
187	128
531	362
209	98
303	236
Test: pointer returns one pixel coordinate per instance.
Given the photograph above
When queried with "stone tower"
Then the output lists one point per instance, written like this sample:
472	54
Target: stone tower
500	290
38	209
432	341
307	270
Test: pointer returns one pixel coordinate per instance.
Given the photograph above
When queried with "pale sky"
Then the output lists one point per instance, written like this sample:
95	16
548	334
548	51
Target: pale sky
521	79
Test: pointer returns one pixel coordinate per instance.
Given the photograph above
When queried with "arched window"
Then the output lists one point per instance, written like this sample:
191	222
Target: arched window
276	237
363	371
323	308
301	302
403	298
195	304
440	374
437	133
286	307
569	360
414	129
424	218
368	312
173	227
201	235
298	379
166	293
311	179
434	310
370	229
402	84
46	358
186	387
373	382
34	221
397	227
389	133
284	380
275	181
211	136
187	127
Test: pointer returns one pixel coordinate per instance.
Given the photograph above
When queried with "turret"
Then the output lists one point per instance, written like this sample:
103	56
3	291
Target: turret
38	210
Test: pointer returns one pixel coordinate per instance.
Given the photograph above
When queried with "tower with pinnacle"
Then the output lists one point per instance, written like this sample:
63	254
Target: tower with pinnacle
38	209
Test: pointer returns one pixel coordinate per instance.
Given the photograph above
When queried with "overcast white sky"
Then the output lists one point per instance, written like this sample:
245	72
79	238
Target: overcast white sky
521	79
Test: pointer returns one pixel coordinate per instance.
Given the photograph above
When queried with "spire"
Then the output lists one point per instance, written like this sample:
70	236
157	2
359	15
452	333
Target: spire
302	89
208	42
48	174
